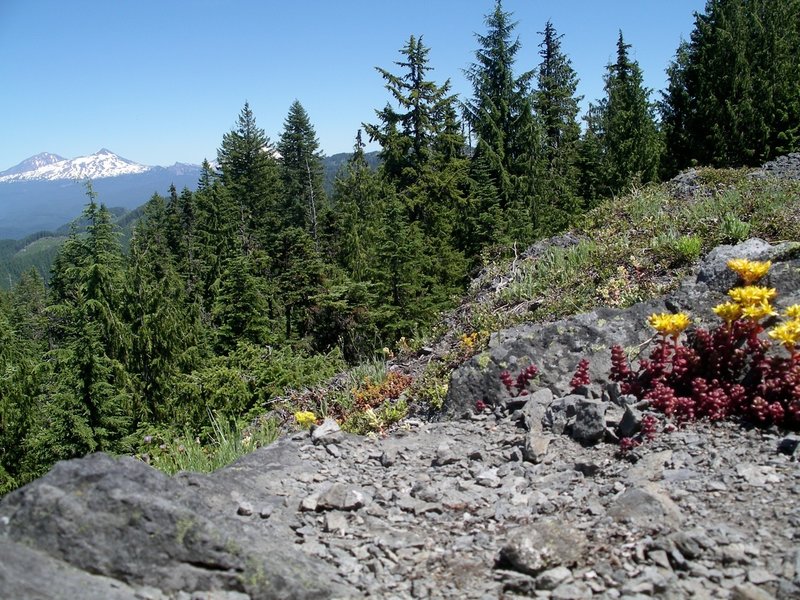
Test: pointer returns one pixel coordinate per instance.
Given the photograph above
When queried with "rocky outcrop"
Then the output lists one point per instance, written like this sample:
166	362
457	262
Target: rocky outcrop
557	347
529	497
99	519
435	510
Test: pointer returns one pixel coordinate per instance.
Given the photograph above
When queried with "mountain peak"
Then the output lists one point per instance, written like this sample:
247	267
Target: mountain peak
34	162
46	166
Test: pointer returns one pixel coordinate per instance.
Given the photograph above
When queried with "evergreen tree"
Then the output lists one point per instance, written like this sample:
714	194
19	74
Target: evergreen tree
29	310
500	117
591	181
249	172
357	197
423	160
164	327
403	281
675	107
86	405
19	379
556	106
216	238
241	307
301	173
734	90
629	138
298	276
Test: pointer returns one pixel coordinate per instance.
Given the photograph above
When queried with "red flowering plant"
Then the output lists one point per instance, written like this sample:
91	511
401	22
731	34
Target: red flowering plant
729	371
519	386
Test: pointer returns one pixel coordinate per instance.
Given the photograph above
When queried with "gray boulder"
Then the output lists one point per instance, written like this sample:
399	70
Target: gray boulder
120	519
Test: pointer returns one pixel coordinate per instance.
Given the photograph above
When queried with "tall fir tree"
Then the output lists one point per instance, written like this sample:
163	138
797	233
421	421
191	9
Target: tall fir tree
358	196
423	160
501	119
20	374
165	329
86	405
675	109
241	307
304	200
556	106
628	135
249	172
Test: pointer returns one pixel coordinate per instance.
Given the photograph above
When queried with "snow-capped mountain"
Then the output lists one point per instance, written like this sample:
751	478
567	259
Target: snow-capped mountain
51	167
46	191
34	162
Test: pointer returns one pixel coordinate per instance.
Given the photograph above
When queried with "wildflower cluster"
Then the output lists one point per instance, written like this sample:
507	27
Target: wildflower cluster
519	386
305	418
468	341
725	372
369	395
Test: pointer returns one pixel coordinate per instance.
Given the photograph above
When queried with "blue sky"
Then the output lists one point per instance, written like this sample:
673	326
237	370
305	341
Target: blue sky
160	81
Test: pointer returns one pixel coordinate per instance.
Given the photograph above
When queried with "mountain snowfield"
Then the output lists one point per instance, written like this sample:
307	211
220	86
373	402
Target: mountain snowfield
51	167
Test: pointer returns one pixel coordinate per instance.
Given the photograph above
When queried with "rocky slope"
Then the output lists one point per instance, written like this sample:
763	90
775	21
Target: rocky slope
503	503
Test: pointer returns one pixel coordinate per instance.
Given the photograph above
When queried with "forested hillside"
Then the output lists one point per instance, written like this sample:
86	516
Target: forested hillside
260	281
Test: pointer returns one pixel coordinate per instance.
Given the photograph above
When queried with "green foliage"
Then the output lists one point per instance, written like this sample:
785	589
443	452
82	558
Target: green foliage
257	284
676	250
624	128
247	379
734	229
301	173
226	442
734	89
250	175
556	107
501	118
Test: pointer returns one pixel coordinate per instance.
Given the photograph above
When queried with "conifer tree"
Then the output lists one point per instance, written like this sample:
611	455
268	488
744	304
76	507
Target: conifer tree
164	327
629	138
301	172
556	106
249	172
19	378
734	89
423	160
674	108
500	117
298	275
87	404
358	198
217	237
241	306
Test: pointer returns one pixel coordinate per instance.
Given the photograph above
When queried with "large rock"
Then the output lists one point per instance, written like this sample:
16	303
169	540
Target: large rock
121	519
557	347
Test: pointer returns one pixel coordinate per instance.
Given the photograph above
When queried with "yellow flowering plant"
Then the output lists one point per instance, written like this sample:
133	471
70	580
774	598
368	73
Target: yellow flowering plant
669	324
305	418
730	370
750	271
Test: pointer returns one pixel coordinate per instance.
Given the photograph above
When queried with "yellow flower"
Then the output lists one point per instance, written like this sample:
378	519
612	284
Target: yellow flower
787	333
669	324
793	312
752	295
759	311
468	341
728	312
749	270
305	418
